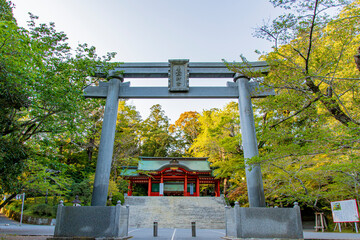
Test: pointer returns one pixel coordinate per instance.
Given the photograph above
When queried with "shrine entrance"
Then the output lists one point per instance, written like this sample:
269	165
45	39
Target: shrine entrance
178	72
172	176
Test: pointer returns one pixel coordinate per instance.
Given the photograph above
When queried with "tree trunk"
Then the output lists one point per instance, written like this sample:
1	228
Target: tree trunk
8	200
225	186
46	196
90	148
330	104
357	59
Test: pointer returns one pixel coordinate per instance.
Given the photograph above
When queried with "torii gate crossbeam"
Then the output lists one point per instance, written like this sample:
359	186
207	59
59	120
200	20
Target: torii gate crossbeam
178	72
195	69
127	92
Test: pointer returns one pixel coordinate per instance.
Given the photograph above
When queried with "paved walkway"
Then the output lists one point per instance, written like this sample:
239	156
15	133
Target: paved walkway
4	220
330	235
11	230
176	234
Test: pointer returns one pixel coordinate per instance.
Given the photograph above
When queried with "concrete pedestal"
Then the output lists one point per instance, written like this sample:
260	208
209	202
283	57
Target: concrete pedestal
263	223
92	222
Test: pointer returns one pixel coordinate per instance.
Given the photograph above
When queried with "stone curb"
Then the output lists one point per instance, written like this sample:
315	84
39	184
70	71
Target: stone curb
88	238
234	238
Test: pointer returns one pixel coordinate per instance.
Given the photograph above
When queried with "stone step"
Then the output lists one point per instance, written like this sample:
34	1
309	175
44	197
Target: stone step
176	212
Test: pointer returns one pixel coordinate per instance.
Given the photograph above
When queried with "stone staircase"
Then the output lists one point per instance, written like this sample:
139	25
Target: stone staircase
176	212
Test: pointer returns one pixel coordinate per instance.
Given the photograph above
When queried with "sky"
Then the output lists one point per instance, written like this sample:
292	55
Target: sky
158	30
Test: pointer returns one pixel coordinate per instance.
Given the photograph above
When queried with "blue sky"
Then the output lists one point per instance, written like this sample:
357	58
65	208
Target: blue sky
158	30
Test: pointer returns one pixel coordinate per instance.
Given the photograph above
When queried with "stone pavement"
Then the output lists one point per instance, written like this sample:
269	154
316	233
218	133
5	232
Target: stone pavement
4	220
176	212
11	230
176	234
330	235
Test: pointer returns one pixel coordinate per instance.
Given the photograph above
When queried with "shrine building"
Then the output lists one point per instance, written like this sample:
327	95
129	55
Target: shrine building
171	176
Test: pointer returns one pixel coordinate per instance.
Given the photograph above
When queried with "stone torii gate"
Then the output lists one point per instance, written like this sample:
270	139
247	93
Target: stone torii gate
178	72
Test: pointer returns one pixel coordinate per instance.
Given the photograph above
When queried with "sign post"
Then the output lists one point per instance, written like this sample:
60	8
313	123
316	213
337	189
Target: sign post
345	211
22	207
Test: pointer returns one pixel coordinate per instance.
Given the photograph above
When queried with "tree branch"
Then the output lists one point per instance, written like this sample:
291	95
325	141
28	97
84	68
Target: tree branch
292	175
330	104
296	113
7	200
356	79
270	34
301	55
3	44
311	37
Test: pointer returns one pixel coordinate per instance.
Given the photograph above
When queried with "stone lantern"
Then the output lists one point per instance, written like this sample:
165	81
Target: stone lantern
76	202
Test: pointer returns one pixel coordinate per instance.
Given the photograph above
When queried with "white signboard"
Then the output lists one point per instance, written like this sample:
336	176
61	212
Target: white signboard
20	196
191	189
345	211
161	190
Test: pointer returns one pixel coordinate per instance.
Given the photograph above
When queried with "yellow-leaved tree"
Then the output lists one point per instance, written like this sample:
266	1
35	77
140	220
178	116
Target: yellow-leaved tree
311	128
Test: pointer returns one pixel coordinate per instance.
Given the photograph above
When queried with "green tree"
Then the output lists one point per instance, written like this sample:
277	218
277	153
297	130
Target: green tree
41	83
156	140
127	136
12	99
39	179
219	139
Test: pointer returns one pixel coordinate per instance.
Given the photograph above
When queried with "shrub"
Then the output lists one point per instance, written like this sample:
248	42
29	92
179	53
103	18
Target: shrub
44	210
83	190
26	206
116	197
54	210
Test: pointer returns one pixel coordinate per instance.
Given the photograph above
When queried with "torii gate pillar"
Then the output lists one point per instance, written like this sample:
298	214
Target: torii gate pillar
249	142
103	165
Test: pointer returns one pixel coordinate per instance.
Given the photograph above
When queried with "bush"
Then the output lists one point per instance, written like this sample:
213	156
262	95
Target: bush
83	190
26	206
116	197
54	210
44	210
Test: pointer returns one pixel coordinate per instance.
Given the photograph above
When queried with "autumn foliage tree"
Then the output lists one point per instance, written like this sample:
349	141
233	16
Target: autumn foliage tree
186	129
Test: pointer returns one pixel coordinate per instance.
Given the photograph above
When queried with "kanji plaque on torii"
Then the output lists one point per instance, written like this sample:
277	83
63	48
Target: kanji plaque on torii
178	76
178	72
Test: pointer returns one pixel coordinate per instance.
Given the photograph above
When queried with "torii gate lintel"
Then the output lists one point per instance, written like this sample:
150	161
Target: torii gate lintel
128	92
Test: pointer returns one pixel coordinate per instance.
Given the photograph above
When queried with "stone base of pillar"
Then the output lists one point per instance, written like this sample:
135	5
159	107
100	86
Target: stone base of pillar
93	222
263	223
